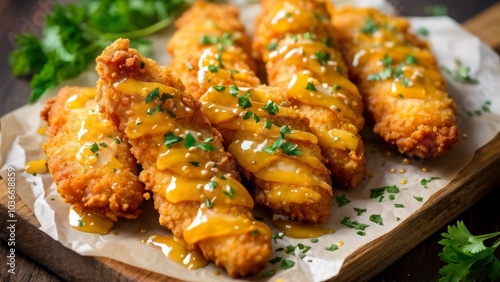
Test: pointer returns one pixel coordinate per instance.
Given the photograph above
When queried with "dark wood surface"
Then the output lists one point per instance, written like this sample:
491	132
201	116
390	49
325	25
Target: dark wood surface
420	264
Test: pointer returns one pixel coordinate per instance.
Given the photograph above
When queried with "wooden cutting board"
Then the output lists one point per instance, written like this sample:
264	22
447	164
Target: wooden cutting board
481	175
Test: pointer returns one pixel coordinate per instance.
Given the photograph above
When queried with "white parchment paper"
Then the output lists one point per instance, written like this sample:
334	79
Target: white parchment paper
479	117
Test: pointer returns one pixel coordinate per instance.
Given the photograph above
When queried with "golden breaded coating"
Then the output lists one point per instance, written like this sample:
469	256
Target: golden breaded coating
88	159
296	40
189	48
195	185
400	82
265	135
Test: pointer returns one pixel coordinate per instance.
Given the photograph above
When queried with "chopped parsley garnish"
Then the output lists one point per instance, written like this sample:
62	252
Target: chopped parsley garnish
271	108
233	90
386	60
272	46
191	142
288	148
314	240
399	205
342	200
383	75
379	193
223	177
142	64
361	233
328	42
332	247
103	144
461	73
196	164
154	93
310	86
377	219
424	181
165	97
117	140
353	224
275	260
277	235
411	59
150	111
423	31
322	57
247	115
436	10
212	185
286	264
220	88
244	101
230	194
208	203
213	68
268	273
268	124
405	82
359	211
170	113
336	87
225	40
94	148
370	27
418	198
170	139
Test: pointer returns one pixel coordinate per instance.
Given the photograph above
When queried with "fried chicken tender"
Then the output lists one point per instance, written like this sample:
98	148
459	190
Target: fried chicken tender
195	185
267	137
93	169
297	43
189	47
399	79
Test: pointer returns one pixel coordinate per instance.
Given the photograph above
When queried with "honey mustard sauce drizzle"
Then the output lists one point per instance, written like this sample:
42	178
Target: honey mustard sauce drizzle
321	80
414	69
223	107
176	250
99	138
185	153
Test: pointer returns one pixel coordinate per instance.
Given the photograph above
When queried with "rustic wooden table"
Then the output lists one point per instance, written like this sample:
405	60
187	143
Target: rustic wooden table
420	264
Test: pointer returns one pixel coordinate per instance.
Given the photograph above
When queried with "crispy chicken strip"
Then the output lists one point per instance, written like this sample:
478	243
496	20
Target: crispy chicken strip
266	136
296	40
400	82
195	185
91	165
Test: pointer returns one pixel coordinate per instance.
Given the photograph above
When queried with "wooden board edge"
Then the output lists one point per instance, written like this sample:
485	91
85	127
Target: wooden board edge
372	258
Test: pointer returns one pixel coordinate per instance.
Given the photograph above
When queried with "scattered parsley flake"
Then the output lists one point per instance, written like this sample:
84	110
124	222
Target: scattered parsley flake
359	211
220	88
277	235
399	205
322	57
195	164
268	273
332	247
370	27
342	200
286	264
94	148
271	108
424	181
314	240
244	101
170	138
411	59
272	46
310	86
353	224
418	198
233	90
275	260
208	203
376	218
268	124
230	194
152	94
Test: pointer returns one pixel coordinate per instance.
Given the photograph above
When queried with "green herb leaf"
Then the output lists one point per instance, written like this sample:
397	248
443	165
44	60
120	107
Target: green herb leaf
233	90
229	193
353	224
170	139
377	219
208	203
152	94
272	46
359	211
411	60
332	247
424	181
310	86
322	57
271	108
244	101
370	27
286	264
342	200
220	88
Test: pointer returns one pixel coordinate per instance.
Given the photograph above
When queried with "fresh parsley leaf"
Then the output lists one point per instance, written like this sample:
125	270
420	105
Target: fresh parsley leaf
342	200
244	101
195	164
386	60
418	198
268	124
286	264
209	204
377	219
310	86
359	211
94	148
423	31
467	257
322	57
424	181
74	34
370	27
353	224
220	88
410	59
399	205
277	235
271	108
314	240
170	139
272	46
332	247
233	90
461	73
229	193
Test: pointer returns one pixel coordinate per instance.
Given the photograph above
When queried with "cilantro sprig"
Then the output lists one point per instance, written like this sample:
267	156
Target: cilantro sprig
467	257
74	34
